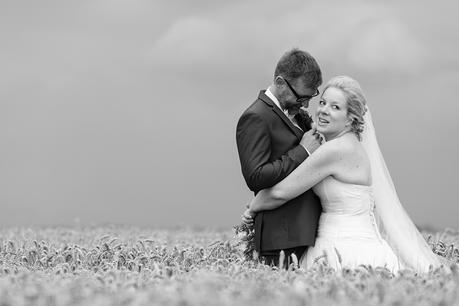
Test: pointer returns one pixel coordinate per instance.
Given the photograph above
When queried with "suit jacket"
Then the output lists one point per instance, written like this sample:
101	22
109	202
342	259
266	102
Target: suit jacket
269	149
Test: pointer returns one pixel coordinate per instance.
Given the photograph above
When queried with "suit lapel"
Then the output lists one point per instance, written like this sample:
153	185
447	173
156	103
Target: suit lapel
298	133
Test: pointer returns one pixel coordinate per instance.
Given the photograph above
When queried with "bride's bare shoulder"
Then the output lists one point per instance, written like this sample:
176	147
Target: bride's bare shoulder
349	159
346	144
346	148
336	150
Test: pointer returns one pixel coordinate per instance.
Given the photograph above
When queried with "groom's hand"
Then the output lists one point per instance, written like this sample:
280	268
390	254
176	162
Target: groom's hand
248	216
311	140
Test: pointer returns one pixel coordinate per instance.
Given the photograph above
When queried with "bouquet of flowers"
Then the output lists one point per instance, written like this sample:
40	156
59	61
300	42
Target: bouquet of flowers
246	233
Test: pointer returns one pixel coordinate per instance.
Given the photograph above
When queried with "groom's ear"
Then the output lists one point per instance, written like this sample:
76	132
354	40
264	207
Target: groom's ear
278	81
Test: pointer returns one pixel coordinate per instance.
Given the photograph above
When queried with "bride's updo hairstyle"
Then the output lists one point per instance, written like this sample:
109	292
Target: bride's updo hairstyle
355	100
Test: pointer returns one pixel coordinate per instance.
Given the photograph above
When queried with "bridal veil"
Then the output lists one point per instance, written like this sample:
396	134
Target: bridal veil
395	225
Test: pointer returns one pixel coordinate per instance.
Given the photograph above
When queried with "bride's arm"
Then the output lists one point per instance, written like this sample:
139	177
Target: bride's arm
322	163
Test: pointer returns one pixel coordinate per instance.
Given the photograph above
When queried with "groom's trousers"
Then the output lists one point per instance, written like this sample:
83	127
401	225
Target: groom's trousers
271	258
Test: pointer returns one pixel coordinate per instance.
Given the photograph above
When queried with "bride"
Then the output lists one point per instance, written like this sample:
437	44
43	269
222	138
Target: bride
362	221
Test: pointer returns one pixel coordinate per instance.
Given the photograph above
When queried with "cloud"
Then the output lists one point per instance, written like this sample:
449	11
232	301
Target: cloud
203	45
354	36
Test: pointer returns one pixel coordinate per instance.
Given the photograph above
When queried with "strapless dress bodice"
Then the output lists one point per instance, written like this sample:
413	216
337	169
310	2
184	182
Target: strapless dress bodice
348	210
348	235
344	198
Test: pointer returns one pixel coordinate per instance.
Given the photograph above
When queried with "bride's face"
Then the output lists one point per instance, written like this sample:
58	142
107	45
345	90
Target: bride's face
332	119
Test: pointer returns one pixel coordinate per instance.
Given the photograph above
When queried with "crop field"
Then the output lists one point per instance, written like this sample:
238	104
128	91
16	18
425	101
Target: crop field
120	265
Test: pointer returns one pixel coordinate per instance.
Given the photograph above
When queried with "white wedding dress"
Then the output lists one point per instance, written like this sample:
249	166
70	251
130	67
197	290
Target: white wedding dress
348	235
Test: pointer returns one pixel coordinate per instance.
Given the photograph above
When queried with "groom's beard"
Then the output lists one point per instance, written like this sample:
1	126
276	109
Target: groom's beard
291	107
293	110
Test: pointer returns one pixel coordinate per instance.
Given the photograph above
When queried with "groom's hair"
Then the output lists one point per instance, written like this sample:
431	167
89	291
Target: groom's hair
295	64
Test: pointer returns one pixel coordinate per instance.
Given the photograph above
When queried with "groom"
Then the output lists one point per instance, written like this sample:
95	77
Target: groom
273	137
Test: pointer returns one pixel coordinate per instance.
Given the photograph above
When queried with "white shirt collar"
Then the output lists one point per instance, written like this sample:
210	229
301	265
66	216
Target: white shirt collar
273	98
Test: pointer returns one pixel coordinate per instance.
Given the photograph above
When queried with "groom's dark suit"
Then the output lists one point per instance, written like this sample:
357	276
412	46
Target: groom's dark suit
269	149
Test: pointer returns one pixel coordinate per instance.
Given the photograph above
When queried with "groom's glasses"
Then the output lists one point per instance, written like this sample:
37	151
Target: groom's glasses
297	96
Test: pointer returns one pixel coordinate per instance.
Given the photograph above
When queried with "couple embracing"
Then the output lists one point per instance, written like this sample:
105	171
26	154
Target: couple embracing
322	188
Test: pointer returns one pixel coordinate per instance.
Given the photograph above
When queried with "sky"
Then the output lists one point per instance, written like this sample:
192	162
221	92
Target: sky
125	111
